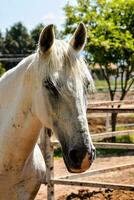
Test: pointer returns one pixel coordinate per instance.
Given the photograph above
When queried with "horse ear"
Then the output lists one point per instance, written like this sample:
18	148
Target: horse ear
79	38
46	38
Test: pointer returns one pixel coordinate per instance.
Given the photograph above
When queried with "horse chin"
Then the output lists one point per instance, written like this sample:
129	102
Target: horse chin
76	170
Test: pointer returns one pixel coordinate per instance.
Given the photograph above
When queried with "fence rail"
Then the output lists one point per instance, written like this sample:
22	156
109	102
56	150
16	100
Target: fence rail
110	110
12	57
94	184
100	136
111	103
98	171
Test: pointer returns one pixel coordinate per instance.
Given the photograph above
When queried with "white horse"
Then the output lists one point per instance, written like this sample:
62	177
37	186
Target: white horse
47	89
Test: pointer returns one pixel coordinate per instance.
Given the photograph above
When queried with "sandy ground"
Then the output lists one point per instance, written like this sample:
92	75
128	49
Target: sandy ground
122	176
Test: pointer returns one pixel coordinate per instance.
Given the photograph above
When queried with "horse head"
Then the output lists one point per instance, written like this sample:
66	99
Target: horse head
63	81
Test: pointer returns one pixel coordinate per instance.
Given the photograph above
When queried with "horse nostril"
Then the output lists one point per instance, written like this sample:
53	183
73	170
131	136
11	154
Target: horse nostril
74	156
78	157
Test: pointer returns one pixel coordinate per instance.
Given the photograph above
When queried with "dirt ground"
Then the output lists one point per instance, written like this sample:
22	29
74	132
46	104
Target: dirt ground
96	125
72	192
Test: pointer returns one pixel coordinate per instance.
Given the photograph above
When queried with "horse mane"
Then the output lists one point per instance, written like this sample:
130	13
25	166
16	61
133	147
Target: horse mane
64	56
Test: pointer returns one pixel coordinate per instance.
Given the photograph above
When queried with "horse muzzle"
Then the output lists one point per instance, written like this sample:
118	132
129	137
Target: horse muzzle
78	161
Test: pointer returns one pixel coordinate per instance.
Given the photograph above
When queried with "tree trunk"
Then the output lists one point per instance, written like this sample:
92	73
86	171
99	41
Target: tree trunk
113	121
113	125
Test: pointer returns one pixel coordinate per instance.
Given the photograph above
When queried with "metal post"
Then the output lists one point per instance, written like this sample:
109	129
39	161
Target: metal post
49	164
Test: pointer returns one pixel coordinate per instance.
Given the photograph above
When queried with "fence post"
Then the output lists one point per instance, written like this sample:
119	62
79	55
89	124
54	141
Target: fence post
49	164
107	122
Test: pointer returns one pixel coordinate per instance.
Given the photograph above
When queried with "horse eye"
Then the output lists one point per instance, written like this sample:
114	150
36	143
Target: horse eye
48	84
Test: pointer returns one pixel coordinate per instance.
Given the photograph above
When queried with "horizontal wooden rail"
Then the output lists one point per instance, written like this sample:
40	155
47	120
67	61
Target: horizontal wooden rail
94	184
100	136
104	145
110	110
98	171
106	90
11	59
13	55
111	103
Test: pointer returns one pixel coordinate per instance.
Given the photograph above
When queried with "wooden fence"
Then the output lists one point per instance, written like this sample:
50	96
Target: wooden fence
71	179
12	57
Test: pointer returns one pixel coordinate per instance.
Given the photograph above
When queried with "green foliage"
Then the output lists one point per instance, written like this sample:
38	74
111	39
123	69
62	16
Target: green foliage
125	139
110	29
110	42
1	42
35	34
17	40
58	152
111	34
112	152
2	69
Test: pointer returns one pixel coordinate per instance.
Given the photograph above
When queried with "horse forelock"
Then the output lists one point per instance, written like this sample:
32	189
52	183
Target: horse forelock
64	58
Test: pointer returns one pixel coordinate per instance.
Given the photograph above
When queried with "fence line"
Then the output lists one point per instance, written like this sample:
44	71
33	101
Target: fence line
94	184
104	145
12	57
111	103
98	171
100	136
111	110
111	107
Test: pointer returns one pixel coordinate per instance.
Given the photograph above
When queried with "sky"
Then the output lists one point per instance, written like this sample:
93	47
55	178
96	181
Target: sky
32	12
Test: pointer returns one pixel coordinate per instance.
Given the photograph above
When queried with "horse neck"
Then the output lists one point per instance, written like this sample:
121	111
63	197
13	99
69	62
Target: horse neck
10	82
18	124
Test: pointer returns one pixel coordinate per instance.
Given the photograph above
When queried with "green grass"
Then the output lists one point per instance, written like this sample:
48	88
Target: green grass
103	83
124	138
100	84
111	152
131	115
57	152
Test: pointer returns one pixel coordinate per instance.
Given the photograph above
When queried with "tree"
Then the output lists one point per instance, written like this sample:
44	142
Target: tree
1	42
35	34
17	40
2	70
110	29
